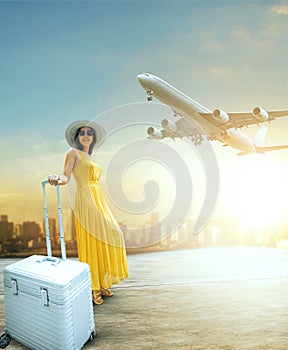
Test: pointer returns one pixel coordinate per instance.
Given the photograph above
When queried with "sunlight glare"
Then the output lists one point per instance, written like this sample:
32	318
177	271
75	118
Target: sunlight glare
258	191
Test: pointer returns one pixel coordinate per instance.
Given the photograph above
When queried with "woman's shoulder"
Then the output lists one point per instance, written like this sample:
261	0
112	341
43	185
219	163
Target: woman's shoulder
73	150
73	153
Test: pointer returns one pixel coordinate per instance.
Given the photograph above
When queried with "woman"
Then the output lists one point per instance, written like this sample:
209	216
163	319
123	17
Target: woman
100	241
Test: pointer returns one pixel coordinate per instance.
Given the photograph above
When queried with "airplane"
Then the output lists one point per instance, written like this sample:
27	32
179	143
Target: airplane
194	120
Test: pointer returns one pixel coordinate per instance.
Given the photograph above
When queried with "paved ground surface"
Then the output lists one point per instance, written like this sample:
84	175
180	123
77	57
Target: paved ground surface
212	298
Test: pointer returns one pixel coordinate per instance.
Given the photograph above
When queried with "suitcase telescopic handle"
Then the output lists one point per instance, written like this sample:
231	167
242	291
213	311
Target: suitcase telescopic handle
47	229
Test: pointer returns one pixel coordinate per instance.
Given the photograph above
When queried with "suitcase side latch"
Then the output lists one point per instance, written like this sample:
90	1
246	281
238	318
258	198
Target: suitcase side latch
14	286
44	297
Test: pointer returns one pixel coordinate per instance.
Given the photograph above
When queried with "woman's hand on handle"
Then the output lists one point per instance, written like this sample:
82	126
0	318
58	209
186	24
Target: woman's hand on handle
54	180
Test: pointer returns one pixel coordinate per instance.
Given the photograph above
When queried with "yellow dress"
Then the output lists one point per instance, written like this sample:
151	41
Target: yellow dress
100	240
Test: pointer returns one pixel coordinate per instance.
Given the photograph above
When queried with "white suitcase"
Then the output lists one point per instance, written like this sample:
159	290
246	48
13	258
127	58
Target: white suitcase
47	300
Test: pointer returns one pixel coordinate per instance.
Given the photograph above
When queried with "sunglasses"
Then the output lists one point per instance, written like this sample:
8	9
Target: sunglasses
86	132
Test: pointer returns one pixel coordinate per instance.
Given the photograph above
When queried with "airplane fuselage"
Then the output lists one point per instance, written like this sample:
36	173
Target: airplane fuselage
185	106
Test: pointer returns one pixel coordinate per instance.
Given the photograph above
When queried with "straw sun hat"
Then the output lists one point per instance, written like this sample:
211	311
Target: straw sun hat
71	131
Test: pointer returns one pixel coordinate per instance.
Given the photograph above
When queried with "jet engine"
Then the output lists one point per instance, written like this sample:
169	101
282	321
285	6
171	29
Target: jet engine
221	116
154	133
168	124
260	114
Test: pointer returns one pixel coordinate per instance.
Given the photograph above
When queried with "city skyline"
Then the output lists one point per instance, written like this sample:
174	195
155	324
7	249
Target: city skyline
30	236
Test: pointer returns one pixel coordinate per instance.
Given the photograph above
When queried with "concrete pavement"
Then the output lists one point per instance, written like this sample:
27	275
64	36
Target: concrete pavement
208	298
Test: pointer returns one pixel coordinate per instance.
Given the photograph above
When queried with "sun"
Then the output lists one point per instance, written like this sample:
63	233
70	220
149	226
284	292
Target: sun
257	191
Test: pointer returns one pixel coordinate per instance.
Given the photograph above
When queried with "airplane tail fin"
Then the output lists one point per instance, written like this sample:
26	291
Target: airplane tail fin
258	140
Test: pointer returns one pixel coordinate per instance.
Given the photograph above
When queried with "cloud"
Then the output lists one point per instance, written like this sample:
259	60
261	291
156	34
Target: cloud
41	146
281	10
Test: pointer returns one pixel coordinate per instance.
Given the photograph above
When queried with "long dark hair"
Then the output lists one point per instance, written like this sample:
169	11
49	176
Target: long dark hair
77	143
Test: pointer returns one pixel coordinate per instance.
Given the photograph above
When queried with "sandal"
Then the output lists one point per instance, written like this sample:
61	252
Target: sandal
96	297
106	292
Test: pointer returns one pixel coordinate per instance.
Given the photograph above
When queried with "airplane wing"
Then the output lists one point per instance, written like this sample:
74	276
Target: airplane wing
182	127
265	149
241	119
271	148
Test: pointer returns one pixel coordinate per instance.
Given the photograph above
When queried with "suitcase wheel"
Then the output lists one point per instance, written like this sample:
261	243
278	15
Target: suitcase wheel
92	336
4	340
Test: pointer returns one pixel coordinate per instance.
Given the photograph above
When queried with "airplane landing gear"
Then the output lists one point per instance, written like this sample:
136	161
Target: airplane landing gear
211	138
196	139
225	135
149	95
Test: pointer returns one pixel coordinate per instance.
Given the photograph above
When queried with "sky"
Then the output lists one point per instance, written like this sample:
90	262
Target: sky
63	61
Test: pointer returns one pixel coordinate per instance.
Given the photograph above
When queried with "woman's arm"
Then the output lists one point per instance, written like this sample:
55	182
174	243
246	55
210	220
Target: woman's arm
71	160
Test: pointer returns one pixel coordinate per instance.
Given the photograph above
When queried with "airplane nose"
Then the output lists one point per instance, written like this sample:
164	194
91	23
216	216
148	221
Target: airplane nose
142	76
143	79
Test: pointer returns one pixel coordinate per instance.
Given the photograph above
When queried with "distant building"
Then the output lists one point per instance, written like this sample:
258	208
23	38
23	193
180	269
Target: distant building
52	230
6	229
17	230
12	246
4	218
30	231
155	230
